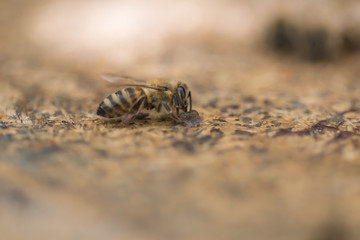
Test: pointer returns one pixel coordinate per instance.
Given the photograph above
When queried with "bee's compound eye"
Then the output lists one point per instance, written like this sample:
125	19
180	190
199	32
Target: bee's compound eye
181	92
176	100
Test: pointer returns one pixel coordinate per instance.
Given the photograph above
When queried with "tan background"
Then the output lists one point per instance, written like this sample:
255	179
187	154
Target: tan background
276	155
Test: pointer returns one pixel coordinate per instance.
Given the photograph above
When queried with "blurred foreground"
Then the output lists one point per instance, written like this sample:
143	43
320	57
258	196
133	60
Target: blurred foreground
277	154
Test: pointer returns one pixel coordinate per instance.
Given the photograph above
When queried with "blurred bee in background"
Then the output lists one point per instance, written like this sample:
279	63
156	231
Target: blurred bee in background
159	95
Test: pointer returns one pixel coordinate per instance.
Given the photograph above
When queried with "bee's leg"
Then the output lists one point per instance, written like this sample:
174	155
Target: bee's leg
133	111
170	112
128	118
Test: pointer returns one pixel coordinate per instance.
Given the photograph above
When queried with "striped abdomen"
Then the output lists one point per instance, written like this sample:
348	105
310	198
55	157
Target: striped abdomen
120	102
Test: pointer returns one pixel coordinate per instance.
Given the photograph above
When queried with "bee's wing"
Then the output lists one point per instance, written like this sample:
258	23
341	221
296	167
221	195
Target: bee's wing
126	81
114	78
158	88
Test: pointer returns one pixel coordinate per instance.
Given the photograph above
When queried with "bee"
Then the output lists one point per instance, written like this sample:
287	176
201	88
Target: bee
158	94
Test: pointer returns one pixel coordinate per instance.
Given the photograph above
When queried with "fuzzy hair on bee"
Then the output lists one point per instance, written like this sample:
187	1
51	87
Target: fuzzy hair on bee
158	95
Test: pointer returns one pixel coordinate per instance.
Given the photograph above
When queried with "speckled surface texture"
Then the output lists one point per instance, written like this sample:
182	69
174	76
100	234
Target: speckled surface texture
276	154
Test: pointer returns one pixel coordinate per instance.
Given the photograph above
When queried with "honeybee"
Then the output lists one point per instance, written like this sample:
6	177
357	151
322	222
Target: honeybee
158	94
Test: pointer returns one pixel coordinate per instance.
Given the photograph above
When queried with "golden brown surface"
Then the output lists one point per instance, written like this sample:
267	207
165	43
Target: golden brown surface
276	155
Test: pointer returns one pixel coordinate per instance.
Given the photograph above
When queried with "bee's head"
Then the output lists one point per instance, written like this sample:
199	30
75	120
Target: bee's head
182	97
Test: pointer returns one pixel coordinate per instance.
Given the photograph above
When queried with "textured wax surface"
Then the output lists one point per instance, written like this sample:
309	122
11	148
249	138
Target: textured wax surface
273	154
